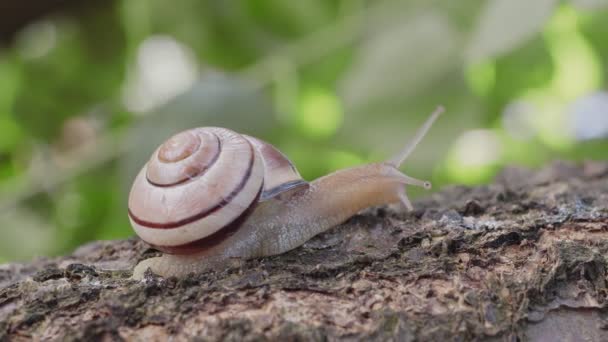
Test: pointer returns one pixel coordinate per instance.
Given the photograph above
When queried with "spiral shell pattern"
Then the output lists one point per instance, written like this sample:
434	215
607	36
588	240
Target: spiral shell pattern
196	189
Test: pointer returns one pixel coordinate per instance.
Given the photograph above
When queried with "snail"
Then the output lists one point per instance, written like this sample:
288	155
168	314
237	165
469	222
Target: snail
210	195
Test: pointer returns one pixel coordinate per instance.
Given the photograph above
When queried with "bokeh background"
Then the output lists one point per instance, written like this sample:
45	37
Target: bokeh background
89	89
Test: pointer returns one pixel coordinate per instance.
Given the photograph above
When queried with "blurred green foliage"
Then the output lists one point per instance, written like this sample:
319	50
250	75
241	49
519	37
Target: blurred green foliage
86	97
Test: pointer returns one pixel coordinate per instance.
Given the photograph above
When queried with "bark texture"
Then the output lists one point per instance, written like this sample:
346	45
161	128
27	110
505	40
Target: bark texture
523	258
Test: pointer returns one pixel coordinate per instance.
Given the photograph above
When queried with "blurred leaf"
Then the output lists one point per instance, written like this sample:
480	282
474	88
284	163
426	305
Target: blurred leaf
25	234
10	79
590	4
82	67
577	64
319	113
81	209
402	71
222	33
505	25
10	134
511	79
328	70
401	59
595	29
292	18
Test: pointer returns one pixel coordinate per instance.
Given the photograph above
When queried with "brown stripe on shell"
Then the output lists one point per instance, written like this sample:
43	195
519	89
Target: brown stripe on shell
222	203
192	173
214	239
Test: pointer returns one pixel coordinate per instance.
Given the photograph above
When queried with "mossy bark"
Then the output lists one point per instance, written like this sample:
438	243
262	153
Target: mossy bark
525	257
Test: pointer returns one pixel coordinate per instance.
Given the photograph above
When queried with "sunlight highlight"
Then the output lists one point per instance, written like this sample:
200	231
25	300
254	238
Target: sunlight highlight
589	116
474	156
164	68
577	66
37	39
320	113
577	71
337	160
481	77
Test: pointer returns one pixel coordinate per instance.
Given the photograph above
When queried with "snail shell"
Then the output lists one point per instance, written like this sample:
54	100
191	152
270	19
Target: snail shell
201	184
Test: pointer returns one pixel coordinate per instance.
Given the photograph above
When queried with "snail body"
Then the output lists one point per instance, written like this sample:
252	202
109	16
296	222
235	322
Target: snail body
210	195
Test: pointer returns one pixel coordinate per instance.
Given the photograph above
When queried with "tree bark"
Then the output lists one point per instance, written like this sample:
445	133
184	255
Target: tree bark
522	258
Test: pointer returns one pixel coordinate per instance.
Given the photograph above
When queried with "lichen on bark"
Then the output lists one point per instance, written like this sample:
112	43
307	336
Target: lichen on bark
524	257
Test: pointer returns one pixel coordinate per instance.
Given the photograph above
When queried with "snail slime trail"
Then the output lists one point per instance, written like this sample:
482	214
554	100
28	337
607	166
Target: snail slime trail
209	195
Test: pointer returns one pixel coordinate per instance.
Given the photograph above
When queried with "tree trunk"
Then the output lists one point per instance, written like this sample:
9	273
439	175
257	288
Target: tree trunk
522	258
